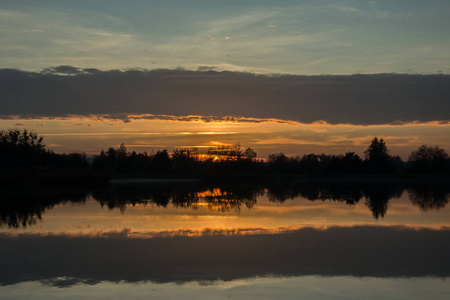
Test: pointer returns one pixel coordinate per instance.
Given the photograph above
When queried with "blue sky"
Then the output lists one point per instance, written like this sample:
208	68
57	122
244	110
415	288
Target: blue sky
297	37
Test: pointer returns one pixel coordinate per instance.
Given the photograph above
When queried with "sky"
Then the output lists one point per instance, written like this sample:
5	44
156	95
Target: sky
278	76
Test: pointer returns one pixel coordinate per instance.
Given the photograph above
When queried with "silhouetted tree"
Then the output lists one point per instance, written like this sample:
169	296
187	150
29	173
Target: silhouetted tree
351	163
427	159
250	154
377	157
278	158
377	150
20	148
310	164
184	160
24	138
161	161
278	162
229	153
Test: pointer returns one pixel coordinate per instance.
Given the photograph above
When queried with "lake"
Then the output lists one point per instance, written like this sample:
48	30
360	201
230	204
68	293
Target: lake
373	239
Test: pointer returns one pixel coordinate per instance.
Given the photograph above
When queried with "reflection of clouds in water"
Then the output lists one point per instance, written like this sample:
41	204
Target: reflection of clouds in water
393	251
274	287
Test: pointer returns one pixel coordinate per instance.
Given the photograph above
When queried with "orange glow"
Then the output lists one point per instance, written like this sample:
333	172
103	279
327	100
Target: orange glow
151	133
129	118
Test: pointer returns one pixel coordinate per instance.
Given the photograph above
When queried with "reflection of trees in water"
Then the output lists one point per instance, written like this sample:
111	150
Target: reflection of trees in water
343	193
226	199
282	192
183	199
22	208
378	196
123	196
339	192
426	197
222	198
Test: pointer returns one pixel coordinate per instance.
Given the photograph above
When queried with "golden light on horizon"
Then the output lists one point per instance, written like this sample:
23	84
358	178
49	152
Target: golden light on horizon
90	135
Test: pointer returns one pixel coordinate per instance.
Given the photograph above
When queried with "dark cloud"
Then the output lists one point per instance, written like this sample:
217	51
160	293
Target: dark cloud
353	99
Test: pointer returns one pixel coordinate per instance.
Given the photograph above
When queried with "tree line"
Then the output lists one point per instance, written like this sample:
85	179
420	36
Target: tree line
378	161
24	150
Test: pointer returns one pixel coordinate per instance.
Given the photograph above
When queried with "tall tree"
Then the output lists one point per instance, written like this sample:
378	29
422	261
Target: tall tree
377	157
377	150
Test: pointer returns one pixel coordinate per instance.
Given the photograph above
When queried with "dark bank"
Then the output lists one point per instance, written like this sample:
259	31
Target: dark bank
24	159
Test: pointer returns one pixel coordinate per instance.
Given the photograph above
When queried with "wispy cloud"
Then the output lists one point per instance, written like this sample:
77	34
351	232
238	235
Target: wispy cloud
227	24
300	38
348	9
100	33
35	30
380	13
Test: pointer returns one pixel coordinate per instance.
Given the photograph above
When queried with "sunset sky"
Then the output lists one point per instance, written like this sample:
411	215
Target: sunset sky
278	76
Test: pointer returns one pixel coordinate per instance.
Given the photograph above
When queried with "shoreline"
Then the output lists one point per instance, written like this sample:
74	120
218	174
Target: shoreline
93	178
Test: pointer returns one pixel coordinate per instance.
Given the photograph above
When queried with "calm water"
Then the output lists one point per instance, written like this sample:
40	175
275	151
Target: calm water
189	240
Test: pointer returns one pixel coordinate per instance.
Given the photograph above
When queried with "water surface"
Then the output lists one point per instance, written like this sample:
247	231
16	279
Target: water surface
269	241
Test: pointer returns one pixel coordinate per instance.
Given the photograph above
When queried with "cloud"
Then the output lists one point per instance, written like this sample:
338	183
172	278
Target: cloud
210	95
35	30
378	12
67	70
191	118
348	9
100	33
206	68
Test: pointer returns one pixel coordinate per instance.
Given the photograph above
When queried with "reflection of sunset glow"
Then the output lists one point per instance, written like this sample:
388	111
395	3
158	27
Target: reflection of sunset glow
216	231
216	210
216	192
